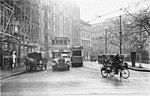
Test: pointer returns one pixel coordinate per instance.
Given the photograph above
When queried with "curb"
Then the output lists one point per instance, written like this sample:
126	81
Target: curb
139	69
4	77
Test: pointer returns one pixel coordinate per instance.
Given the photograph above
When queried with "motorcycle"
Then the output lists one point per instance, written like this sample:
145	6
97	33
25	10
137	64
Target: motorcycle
109	69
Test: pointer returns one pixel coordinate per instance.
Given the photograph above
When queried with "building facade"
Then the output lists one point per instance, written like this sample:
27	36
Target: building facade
97	40
62	17
102	36
59	18
19	27
147	47
86	39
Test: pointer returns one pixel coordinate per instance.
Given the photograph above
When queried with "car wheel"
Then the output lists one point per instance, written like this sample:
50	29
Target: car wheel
42	67
45	67
81	65
72	65
53	69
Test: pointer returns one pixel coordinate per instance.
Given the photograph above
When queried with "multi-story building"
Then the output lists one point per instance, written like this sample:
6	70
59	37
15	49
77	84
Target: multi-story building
19	26
59	18
97	40
85	30
63	17
102	36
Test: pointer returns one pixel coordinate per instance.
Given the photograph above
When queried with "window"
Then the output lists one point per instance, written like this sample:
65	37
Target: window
65	42
57	41
61	42
77	53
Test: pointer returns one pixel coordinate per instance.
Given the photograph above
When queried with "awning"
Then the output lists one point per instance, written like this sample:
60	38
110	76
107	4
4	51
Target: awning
11	40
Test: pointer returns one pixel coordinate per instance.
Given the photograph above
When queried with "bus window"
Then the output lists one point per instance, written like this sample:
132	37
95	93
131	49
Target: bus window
57	41
65	42
61	42
77	53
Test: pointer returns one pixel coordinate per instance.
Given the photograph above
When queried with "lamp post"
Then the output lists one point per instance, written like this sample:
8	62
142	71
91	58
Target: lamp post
120	36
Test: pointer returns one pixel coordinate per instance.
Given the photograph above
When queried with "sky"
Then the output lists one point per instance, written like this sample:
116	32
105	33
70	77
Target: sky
90	9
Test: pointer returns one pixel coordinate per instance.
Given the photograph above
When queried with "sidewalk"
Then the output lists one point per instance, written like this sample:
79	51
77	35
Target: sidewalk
17	70
146	67
8	73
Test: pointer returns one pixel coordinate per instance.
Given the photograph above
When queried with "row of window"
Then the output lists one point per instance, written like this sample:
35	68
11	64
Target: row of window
86	28
85	35
60	42
86	43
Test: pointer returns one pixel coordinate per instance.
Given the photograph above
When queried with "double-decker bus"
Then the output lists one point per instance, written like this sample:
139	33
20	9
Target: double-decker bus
77	56
61	53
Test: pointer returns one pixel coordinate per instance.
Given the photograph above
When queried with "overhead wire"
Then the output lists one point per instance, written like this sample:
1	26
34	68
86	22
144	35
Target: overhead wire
104	15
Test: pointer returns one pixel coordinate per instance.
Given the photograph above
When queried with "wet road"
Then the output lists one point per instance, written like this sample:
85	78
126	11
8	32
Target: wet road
79	81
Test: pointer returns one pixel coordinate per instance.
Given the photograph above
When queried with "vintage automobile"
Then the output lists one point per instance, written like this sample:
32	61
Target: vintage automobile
100	58
92	58
61	62
36	60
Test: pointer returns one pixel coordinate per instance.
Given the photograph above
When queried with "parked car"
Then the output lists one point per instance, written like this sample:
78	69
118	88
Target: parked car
62	62
92	58
35	60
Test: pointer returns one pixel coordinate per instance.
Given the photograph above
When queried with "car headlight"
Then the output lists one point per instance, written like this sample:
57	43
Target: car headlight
54	63
121	60
68	62
40	62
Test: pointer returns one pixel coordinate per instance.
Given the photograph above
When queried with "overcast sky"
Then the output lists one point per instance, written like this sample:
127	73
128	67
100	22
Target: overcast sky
89	9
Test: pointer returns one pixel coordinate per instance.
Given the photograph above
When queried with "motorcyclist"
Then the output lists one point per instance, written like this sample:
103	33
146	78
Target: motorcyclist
117	63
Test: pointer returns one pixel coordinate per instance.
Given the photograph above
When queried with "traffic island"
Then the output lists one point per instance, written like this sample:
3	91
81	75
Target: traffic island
143	69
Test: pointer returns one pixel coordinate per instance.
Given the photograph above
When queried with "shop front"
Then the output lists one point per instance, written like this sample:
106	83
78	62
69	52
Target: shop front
87	53
12	44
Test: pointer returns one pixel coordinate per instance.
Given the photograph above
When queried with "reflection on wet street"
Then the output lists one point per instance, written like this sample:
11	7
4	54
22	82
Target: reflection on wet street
79	81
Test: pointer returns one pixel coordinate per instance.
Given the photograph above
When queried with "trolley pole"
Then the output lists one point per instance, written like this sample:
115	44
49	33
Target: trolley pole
120	35
106	41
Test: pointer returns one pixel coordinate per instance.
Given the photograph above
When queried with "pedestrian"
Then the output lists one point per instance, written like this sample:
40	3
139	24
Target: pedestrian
12	59
1	58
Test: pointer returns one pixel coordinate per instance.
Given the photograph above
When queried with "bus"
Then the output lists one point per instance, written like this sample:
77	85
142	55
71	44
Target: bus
61	53
77	56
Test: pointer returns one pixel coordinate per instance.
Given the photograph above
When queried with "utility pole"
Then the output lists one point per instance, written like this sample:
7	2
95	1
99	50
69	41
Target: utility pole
140	49
120	36
106	41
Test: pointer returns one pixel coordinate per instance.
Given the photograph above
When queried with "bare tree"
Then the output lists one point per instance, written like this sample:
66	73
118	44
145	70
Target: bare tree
114	29
139	24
